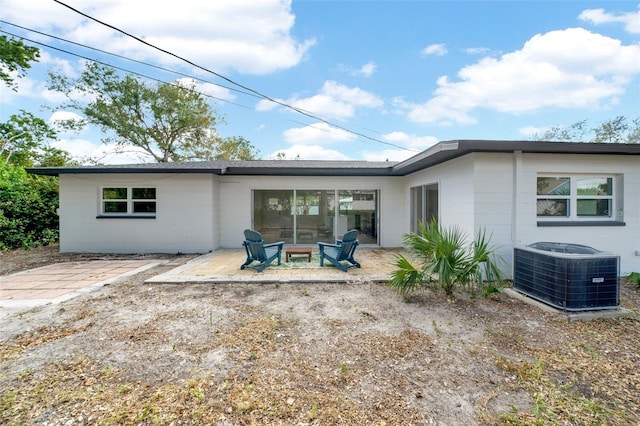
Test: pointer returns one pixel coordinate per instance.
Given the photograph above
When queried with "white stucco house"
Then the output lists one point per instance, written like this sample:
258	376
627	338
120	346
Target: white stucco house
521	192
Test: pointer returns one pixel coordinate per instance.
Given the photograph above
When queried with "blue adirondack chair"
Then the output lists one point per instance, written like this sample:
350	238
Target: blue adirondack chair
341	253
259	254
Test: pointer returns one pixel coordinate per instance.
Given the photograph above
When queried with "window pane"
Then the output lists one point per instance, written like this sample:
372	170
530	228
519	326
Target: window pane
314	216
417	207
273	214
357	210
553	207
143	193
554	186
144	206
600	207
114	193
594	186
115	207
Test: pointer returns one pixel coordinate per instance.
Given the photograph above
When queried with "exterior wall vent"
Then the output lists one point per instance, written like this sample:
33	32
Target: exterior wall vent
571	277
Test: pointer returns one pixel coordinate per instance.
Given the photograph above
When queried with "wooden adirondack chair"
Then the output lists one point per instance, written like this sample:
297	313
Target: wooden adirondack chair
341	253
259	254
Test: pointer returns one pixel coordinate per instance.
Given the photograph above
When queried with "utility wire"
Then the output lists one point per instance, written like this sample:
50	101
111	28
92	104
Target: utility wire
122	69
330	130
261	95
125	58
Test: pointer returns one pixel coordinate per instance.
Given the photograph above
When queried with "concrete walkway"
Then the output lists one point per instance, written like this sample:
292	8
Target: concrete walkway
223	266
62	281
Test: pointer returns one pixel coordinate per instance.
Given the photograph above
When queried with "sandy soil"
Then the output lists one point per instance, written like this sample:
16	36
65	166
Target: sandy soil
242	354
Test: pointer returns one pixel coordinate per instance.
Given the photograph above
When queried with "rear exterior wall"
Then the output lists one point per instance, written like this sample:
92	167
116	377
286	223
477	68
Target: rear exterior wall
185	222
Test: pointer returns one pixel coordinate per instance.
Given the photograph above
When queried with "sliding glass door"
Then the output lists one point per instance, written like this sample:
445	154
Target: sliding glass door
311	216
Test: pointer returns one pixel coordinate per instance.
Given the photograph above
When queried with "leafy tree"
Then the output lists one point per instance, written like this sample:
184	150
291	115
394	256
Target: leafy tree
28	203
23	142
231	148
15	56
612	131
615	130
169	122
575	132
281	155
28	206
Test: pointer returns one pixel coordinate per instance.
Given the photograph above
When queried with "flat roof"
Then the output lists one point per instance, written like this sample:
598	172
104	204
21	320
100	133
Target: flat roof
437	154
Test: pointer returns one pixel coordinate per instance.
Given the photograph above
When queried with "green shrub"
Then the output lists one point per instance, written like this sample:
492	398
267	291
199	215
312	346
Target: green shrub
447	260
634	277
28	207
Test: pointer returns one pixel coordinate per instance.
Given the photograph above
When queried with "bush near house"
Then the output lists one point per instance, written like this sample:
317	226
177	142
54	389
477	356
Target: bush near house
447	261
634	277
28	206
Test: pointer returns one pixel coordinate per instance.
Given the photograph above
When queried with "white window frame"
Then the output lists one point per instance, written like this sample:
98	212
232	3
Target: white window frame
573	198
130	201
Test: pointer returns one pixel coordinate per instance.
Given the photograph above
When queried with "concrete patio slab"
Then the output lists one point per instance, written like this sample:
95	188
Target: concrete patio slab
223	266
570	315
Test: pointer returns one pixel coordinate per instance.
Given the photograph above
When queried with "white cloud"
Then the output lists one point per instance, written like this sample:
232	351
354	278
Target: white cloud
573	68
30	88
316	134
335	101
243	35
310	152
435	49
411	141
531	131
368	69
413	144
630	20
82	149
63	116
365	70
59	65
208	89
477	50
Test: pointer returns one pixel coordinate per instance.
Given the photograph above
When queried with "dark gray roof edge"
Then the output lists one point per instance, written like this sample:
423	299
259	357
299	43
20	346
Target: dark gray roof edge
310	171
250	167
448	150
437	154
55	171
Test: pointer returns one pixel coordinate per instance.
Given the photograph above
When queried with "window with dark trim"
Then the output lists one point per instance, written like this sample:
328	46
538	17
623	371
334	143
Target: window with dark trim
128	201
576	198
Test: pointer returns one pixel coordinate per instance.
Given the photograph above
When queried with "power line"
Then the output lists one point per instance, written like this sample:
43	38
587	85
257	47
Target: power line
330	130
121	69
261	95
123	57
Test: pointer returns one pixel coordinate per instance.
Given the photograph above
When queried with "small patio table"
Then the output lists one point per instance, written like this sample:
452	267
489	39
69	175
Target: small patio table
297	251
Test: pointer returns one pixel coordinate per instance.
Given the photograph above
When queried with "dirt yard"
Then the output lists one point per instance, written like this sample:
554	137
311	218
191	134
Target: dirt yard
132	353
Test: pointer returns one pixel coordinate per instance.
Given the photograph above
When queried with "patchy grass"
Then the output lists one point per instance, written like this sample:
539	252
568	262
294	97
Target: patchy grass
135	354
589	376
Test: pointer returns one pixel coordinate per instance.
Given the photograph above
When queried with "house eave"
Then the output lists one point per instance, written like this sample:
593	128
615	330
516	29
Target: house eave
437	154
449	150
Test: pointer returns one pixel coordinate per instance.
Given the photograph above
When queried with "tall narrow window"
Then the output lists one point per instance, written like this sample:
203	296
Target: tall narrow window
424	205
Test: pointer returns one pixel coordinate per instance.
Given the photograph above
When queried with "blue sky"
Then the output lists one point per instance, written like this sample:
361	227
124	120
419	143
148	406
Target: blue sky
392	77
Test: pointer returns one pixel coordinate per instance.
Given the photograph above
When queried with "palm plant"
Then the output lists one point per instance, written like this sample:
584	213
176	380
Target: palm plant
446	258
487	275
